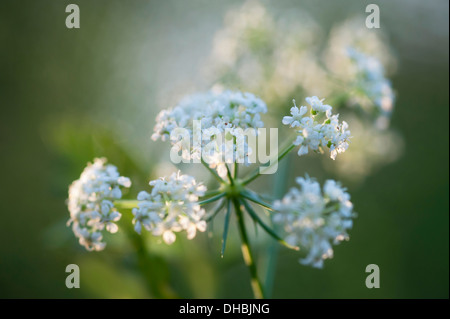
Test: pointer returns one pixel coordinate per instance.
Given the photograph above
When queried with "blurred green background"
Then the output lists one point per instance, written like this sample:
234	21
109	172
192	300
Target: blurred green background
70	95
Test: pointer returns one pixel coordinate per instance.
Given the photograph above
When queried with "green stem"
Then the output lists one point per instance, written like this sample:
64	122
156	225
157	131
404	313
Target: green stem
225	228
212	193
229	175
213	172
255	199
268	230
126	203
211	199
256	173
247	254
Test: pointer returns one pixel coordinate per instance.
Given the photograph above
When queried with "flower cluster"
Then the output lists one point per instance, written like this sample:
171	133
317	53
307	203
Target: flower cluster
91	203
279	56
314	219
215	123
172	206
258	52
371	83
315	135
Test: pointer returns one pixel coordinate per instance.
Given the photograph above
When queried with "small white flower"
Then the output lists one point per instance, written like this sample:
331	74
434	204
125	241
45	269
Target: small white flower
297	115
314	219
374	90
124	181
316	135
90	203
371	148
317	104
221	116
169	237
335	192
171	207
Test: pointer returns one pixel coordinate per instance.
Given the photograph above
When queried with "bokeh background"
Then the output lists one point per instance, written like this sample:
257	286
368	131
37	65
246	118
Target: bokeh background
68	96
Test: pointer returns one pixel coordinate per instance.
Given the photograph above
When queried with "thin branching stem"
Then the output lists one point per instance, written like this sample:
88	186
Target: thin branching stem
246	252
269	230
213	172
255	198
225	228
126	203
211	199
230	178
257	172
218	209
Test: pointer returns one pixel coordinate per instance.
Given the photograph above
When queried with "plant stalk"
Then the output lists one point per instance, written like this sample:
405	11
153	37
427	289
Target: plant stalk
247	254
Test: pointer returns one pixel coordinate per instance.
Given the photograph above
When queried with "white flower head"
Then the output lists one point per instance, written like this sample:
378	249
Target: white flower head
171	207
296	115
289	47
91	205
223	118
374	90
320	130
317	104
315	219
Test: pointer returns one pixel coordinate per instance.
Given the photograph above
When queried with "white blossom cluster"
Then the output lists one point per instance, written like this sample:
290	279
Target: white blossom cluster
222	117
292	61
258	52
371	83
352	33
91	203
320	129
172	206
314	219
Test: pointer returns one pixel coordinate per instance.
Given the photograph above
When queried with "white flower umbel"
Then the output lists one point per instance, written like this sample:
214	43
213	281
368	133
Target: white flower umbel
220	115
91	203
318	130
315	219
172	206
373	90
269	54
